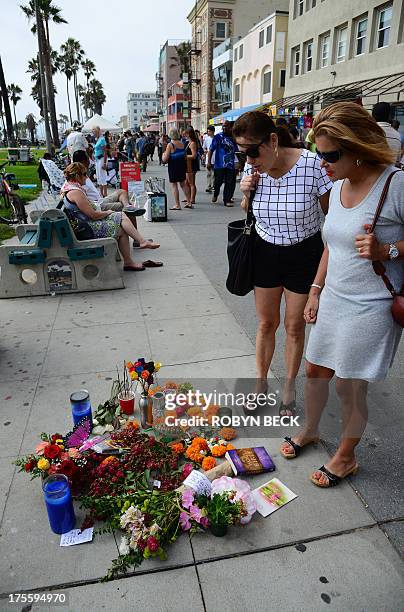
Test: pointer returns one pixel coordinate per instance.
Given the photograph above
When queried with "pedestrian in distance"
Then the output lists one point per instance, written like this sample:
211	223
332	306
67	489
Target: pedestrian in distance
175	157
207	141
354	336
141	149
192	161
381	113
101	158
224	148
288	188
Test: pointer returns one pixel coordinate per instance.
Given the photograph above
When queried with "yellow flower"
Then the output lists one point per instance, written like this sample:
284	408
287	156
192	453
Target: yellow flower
157	366
59	441
43	464
134	375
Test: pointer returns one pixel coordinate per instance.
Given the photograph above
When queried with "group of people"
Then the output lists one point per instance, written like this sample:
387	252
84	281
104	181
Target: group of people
330	285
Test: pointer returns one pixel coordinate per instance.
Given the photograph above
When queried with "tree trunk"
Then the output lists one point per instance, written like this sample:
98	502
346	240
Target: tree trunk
76	96
68	100
50	90
7	111
15	122
40	34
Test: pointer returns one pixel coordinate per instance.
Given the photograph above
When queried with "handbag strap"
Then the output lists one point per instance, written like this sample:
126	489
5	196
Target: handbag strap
250	217
378	267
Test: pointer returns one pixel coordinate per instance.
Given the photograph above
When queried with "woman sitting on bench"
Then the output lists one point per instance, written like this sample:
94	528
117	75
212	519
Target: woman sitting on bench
104	223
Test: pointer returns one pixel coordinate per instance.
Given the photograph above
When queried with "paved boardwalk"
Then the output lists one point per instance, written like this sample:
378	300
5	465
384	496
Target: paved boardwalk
326	550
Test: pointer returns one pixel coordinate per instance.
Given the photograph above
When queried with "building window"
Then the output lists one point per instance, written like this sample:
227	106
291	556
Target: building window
324	50
240	51
300	7
266	86
235	54
220	29
361	30
308	56
313	3
282	78
237	92
341	44
269	34
296	61
261	39
383	26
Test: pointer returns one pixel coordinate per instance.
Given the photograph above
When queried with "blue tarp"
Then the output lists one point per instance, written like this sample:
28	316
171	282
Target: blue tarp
234	113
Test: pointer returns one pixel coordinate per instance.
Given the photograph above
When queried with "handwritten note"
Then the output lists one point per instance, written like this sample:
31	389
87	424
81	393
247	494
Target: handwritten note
198	482
75	536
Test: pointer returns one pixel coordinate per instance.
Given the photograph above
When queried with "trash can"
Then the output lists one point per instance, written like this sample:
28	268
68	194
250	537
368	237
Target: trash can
13	156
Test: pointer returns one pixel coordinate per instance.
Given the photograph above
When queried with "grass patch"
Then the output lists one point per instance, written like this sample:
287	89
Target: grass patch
25	173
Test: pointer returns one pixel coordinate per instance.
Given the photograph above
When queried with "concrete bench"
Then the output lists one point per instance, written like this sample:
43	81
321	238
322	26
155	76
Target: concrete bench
49	259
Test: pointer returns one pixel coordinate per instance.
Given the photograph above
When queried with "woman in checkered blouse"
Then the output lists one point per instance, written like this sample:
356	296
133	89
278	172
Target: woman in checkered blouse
290	187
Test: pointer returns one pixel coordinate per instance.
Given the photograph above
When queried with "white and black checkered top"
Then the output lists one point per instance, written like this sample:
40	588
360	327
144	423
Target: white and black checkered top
287	209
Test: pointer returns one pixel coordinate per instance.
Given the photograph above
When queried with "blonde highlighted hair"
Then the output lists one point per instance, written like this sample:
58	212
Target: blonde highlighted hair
355	130
74	170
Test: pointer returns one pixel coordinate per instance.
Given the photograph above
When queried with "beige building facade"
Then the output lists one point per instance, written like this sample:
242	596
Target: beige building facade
337	43
259	62
212	22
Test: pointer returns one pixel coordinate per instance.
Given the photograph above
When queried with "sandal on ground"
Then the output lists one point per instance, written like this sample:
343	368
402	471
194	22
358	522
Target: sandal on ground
296	447
291	407
333	479
188	206
176	208
149	263
132	269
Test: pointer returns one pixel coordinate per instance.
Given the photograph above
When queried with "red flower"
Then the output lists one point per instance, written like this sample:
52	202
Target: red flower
29	465
141	544
145	374
56	437
68	468
153	544
187	469
51	451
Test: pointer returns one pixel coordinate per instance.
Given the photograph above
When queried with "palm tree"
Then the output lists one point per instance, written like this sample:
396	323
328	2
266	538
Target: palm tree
96	96
89	71
72	55
33	70
63	119
6	104
31	125
13	93
48	12
65	67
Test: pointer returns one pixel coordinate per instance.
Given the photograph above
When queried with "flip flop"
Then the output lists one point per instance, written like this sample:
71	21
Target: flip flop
176	208
149	263
131	269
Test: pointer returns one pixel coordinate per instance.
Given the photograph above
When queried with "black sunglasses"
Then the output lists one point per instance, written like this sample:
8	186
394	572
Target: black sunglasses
252	150
331	157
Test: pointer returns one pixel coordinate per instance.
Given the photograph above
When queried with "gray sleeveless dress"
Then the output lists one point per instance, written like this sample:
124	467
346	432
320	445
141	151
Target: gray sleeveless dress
355	334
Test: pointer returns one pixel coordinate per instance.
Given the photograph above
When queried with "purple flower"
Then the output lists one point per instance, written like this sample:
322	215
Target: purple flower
196	513
205	522
187	498
184	521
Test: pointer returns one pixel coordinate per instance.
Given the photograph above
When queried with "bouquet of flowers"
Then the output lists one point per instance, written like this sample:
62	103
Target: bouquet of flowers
143	372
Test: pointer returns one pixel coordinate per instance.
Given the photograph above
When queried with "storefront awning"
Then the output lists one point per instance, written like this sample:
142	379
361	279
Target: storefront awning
369	91
232	114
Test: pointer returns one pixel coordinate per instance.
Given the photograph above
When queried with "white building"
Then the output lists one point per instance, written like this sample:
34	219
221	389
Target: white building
259	62
140	104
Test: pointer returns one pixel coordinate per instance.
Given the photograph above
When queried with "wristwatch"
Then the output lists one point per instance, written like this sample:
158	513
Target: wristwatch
393	251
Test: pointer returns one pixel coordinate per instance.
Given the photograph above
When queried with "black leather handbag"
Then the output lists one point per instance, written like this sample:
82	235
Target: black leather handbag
240	243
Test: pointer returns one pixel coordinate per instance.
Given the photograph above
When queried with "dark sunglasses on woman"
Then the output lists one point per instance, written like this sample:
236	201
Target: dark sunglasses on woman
331	157
251	150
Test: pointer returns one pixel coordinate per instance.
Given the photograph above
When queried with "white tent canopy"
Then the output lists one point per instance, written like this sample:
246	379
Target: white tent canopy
103	123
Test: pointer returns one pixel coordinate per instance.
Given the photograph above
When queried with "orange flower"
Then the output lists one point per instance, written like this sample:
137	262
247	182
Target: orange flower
194	411
212	409
200	444
145	374
110	459
230	447
228	433
208	463
194	454
153	391
132	424
178	448
170	384
218	450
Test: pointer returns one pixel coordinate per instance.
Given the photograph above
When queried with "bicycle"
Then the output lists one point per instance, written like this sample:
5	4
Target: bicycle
11	200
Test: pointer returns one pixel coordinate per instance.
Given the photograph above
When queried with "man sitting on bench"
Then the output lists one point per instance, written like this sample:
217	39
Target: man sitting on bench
115	201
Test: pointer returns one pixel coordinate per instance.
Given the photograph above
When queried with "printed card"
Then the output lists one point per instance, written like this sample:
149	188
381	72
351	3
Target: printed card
271	496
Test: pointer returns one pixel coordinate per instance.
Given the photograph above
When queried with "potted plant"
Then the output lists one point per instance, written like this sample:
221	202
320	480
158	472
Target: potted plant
222	511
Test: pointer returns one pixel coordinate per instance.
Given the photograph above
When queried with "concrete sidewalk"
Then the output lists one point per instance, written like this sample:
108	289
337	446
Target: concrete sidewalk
324	549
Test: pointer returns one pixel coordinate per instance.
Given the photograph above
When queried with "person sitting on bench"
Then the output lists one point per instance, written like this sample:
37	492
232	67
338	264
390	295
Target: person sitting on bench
104	223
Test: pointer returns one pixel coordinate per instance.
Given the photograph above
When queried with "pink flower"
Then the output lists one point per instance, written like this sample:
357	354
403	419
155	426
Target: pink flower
64	456
187	469
196	513
152	544
205	522
184	521
39	448
74	453
187	498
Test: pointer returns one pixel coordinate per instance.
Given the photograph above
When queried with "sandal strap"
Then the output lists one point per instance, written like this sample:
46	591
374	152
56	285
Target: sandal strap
297	448
333	479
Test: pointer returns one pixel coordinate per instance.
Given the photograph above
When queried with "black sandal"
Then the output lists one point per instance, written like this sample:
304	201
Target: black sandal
296	447
333	479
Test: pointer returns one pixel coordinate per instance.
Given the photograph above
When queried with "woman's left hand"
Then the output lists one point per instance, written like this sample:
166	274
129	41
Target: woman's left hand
368	246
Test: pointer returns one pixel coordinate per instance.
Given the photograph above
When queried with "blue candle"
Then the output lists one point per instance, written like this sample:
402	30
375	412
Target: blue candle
59	503
81	405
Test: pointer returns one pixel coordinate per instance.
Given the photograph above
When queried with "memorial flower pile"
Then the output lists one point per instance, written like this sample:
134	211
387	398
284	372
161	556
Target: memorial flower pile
142	372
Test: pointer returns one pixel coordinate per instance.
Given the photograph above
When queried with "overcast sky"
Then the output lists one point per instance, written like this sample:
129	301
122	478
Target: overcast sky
122	38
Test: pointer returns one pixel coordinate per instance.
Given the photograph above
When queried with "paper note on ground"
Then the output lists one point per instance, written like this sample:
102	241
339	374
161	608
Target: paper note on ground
75	536
271	496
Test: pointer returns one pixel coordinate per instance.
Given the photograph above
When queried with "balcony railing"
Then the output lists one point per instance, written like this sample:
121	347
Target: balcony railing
224	46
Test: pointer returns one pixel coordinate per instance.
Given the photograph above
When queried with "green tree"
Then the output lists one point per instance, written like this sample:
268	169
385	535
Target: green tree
183	57
6	105
65	67
14	92
47	12
89	71
63	119
31	126
72	54
96	97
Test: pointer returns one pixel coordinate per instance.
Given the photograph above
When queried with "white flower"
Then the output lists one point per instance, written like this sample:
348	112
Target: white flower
154	529
109	428
124	546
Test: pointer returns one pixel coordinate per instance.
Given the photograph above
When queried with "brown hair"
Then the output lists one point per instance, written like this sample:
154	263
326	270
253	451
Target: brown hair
256	124
355	130
191	133
72	171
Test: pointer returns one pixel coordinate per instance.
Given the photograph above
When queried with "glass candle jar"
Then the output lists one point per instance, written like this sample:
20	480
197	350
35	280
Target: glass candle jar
81	405
59	503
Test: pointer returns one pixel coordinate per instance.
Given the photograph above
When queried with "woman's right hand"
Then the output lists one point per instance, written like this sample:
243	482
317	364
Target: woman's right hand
311	308
249	183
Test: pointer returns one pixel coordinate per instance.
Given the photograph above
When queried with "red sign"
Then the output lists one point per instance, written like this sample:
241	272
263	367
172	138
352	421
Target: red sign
129	171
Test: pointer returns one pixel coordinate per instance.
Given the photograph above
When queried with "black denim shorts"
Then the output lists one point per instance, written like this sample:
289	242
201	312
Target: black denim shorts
292	267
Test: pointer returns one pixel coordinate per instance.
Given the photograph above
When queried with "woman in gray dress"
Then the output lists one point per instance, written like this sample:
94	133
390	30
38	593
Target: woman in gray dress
354	336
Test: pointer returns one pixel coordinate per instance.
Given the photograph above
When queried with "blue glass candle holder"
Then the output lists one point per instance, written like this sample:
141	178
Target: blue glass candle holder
81	405
59	503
